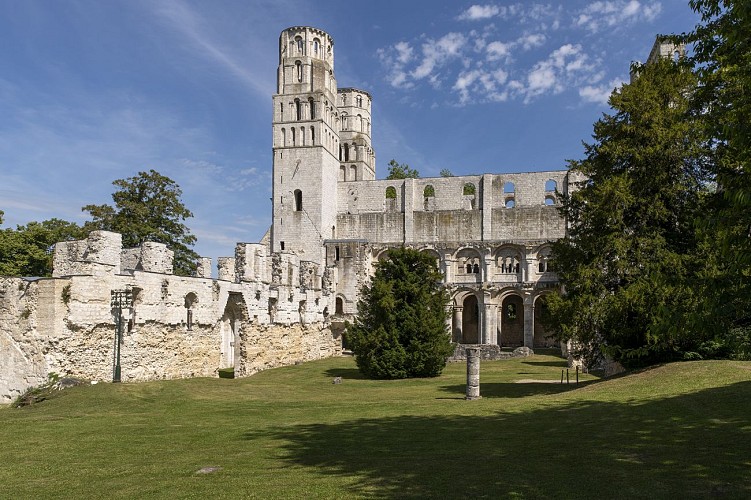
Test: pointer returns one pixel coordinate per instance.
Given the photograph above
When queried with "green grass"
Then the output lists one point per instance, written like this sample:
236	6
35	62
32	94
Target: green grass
679	430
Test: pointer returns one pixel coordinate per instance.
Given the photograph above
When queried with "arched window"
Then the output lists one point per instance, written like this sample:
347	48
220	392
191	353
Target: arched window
353	172
299	43
302	136
510	203
293	136
190	300
476	268
550	185
391	193
316	46
339	306
549	200
344	99
284	137
298	109
359	122
342	172
298	200
429	191
469	268
509	187
468	189
298	68
346	152
345	122
281	111
312	136
312	105
359	101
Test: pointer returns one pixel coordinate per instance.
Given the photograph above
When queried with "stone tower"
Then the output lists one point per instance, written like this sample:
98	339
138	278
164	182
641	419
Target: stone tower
305	144
356	156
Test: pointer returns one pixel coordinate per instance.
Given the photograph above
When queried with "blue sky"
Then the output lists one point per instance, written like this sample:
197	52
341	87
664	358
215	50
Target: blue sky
93	91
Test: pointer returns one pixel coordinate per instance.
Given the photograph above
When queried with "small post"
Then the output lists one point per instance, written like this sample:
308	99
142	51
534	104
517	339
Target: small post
577	374
567	376
561	376
473	373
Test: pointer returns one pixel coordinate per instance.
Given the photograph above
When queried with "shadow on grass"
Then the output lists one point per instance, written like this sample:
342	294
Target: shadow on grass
560	364
697	444
345	373
514	390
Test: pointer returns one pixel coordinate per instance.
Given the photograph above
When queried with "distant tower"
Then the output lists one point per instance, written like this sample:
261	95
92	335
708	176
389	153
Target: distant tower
306	143
356	155
665	48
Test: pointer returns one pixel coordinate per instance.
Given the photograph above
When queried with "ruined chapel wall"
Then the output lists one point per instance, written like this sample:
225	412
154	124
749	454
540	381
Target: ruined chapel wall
21	350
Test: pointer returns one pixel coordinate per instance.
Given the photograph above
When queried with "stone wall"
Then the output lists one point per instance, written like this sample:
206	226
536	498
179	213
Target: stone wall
175	327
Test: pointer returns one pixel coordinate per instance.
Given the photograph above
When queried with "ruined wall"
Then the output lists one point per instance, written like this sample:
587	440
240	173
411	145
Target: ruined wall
23	363
511	207
175	327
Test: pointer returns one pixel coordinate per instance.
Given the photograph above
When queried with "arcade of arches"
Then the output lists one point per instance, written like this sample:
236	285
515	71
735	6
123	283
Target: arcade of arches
505	318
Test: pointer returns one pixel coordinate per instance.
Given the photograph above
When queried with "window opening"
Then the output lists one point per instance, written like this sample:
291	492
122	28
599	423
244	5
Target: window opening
298	200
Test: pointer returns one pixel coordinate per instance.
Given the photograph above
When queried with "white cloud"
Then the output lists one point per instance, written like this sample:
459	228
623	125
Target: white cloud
531	41
601	93
498	50
435	53
478	12
613	14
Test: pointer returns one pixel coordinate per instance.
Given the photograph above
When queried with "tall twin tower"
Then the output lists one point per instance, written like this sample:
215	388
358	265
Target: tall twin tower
321	137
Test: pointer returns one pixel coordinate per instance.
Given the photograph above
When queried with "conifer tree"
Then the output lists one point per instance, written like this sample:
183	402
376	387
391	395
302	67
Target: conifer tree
400	330
628	260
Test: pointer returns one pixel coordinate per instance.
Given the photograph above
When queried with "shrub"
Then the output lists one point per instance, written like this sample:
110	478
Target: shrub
400	330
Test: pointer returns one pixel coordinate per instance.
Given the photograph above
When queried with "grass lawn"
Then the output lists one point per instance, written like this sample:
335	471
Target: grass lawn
679	430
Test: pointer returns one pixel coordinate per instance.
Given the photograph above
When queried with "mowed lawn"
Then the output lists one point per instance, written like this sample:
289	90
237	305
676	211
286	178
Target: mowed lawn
676	431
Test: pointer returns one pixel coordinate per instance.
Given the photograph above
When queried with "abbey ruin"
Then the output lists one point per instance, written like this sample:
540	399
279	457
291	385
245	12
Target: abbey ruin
283	300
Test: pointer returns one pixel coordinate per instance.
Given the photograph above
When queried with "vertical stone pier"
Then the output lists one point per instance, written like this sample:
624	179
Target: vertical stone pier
473	373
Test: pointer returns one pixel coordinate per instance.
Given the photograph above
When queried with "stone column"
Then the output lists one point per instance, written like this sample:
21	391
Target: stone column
529	322
450	321
458	323
473	373
499	323
487	320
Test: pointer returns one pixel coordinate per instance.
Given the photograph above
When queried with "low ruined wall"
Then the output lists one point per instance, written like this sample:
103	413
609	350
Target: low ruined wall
272	345
22	362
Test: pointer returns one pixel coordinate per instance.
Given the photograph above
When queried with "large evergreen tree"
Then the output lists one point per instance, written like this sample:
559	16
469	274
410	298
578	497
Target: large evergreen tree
627	261
400	330
722	54
148	208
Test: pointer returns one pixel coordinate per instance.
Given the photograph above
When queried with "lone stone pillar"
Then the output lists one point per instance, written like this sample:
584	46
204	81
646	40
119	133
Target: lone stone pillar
473	373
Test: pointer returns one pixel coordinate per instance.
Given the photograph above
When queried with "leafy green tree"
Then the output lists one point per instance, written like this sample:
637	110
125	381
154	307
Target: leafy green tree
446	173
722	54
397	171
27	250
631	252
400	330
148	208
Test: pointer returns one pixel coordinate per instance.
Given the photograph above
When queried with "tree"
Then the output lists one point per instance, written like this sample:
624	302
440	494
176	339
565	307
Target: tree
27	250
400	330
446	173
397	171
722	54
631	252
148	208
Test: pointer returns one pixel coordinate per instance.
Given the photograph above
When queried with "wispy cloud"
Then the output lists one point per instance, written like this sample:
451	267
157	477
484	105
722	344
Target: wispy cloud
615	14
600	93
179	16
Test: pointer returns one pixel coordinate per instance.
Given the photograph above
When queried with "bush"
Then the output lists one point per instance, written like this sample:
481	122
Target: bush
400	330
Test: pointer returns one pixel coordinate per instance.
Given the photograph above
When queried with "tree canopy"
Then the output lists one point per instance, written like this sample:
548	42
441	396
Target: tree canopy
400	330
631	248
147	207
27	250
401	171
